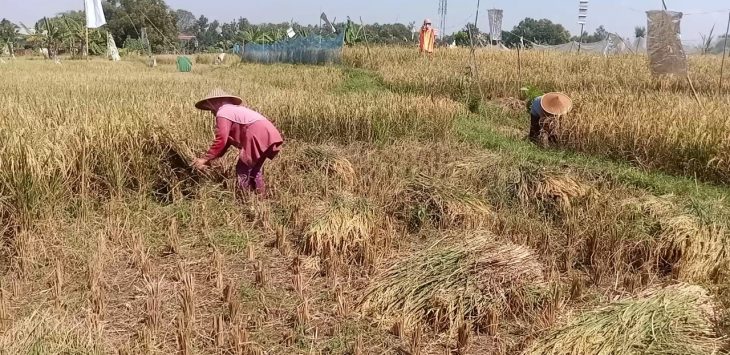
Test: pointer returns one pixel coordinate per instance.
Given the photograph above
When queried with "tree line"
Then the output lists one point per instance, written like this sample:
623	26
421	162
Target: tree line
126	19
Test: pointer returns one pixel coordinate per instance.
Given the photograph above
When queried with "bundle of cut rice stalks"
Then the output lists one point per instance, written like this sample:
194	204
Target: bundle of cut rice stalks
43	332
475	282
332	163
347	228
549	189
177	155
427	200
486	170
675	320
696	250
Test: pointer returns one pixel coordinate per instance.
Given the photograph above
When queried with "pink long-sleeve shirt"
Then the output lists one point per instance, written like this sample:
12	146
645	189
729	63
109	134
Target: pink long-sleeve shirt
244	129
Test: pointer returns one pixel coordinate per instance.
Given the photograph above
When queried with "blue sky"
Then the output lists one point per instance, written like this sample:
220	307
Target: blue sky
616	15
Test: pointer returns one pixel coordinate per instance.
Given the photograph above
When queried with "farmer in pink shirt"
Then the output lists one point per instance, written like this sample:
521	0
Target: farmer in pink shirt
245	129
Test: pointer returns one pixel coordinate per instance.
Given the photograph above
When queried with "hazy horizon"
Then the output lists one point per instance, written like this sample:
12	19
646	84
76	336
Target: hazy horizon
617	16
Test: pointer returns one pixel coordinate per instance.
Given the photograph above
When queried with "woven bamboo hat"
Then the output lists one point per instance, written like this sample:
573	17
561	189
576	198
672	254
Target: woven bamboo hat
556	103
217	93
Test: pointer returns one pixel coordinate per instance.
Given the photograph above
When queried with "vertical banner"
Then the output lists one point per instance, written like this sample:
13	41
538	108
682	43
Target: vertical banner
94	14
145	40
495	24
663	43
111	48
582	12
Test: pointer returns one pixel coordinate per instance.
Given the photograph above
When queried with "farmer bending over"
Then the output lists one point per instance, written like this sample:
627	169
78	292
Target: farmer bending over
247	130
545	109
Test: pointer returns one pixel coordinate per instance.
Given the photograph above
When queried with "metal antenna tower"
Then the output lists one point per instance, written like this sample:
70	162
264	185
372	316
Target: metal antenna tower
443	10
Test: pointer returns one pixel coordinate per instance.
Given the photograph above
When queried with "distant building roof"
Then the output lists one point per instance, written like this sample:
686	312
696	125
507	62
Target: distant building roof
183	37
26	32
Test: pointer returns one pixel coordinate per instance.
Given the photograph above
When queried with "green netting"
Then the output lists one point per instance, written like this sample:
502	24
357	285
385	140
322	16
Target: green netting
299	50
184	64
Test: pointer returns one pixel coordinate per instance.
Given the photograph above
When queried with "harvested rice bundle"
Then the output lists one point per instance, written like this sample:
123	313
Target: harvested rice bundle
669	321
44	332
327	159
485	170
347	227
557	189
425	199
654	206
696	250
475	282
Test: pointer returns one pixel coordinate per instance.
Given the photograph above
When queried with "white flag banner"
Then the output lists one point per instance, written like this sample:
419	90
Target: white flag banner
290	32
94	14
324	18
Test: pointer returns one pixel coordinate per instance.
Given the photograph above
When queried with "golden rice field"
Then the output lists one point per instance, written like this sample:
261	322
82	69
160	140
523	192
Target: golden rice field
402	218
620	109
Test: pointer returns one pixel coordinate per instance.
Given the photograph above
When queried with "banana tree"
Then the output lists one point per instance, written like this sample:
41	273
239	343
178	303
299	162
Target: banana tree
46	34
353	33
54	36
8	35
256	35
74	35
32	37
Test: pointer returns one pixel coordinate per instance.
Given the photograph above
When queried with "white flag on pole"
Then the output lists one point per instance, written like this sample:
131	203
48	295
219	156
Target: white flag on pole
324	18
290	32
94	14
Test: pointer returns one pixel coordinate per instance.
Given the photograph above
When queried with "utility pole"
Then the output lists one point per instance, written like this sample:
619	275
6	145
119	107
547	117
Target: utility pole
582	17
443	11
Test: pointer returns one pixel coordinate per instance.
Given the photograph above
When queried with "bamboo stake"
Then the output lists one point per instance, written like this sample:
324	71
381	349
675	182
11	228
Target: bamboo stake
580	41
86	28
474	66
724	52
692	86
519	65
365	35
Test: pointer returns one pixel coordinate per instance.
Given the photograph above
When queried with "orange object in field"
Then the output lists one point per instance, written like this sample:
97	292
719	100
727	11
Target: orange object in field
427	39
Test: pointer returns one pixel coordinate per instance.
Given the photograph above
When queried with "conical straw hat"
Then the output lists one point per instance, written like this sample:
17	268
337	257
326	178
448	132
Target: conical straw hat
217	93
556	103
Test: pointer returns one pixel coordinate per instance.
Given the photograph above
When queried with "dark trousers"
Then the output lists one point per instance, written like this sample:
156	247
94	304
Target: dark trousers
251	178
534	128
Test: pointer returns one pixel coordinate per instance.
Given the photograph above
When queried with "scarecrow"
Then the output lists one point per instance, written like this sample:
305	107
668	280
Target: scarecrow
427	38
